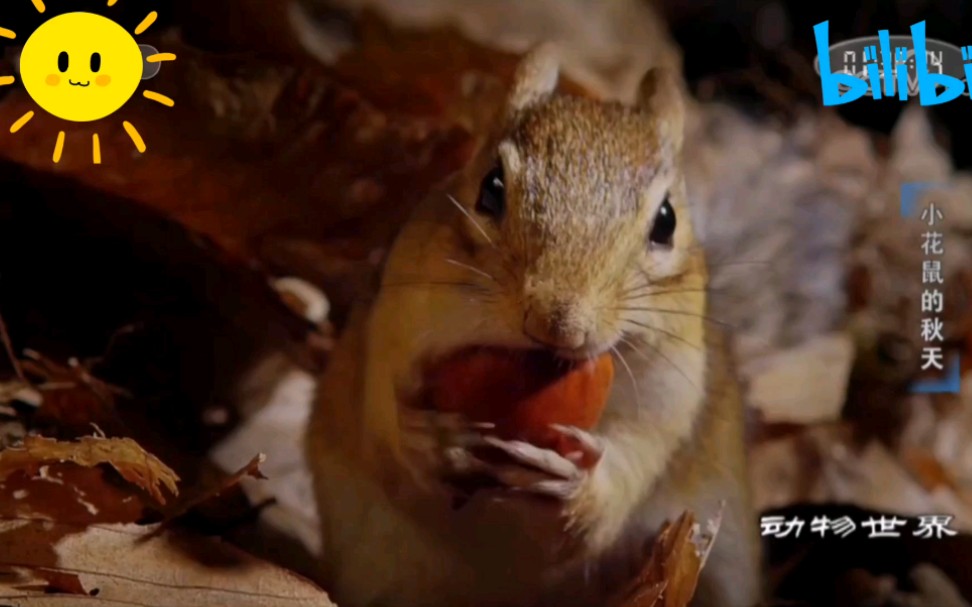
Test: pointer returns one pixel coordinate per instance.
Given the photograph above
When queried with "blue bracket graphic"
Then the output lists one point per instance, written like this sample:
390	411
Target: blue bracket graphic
952	382
911	193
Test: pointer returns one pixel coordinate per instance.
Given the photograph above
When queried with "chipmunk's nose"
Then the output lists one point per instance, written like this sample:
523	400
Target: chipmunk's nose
556	325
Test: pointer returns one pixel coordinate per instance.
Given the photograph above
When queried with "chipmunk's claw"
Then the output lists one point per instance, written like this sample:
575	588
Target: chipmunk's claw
544	460
546	472
438	446
589	447
430	431
468	456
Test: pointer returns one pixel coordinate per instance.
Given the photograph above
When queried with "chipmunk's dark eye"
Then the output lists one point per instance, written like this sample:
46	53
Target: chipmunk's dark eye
492	194
663	229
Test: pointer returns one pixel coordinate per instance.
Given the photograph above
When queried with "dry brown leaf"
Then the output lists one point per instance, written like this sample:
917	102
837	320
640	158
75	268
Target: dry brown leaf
72	494
132	462
56	582
257	26
927	469
72	399
135	565
252	470
646	596
670	576
274	150
412	79
74	373
208	494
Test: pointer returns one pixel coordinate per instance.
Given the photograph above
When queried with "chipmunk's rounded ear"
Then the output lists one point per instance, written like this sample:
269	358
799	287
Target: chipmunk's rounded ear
535	79
660	93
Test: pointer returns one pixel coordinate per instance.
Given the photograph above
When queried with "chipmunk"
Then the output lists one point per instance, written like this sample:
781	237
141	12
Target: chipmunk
569	231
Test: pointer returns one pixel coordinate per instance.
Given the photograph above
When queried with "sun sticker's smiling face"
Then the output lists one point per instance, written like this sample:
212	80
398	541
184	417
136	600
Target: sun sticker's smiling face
81	66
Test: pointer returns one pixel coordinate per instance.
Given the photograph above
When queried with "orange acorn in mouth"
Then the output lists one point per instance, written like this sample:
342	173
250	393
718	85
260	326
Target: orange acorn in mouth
522	392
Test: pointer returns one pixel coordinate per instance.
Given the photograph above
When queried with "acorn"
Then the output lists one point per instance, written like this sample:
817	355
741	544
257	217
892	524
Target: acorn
522	392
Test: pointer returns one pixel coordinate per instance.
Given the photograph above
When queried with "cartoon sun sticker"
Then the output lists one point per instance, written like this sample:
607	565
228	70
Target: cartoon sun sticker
83	67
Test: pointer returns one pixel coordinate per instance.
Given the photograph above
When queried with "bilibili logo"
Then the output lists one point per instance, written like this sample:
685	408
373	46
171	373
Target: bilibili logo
880	66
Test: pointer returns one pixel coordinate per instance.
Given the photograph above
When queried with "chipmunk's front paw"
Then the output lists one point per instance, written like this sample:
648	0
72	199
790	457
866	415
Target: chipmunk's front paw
468	456
438	445
524	467
574	485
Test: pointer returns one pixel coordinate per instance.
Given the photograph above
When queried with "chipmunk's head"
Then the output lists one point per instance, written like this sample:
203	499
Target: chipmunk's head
580	207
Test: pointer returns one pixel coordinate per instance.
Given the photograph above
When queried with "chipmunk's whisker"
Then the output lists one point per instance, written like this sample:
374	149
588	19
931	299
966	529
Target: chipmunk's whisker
722	264
471	268
663	332
725	258
678	313
436	283
469	216
642	291
634	382
637	294
648	282
728	325
658	353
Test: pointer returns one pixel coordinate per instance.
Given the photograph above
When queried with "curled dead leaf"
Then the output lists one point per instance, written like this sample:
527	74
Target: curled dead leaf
252	469
133	463
671	575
